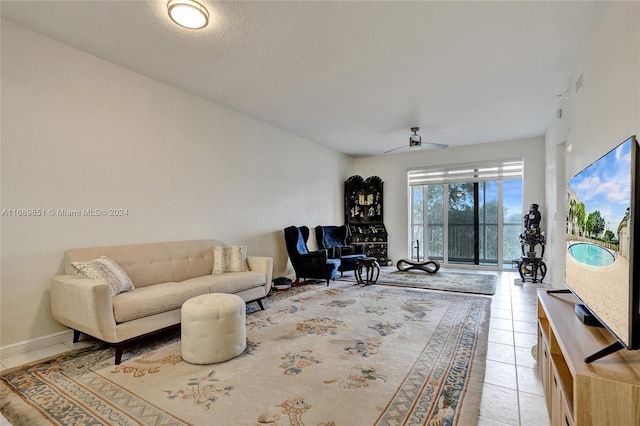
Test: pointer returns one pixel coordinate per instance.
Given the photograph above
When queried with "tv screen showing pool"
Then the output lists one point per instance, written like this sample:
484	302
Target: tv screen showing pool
598	237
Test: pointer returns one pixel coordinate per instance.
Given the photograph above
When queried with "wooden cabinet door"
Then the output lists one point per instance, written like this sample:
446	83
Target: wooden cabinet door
566	416
555	408
544	363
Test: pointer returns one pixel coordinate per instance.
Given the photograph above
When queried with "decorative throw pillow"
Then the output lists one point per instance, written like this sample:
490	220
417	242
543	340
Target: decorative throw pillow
105	270
218	260
230	259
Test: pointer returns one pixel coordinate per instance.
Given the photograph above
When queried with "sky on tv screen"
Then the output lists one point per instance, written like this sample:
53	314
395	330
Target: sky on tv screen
606	185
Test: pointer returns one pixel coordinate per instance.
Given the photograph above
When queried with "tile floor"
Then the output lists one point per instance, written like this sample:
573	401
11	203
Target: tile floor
512	393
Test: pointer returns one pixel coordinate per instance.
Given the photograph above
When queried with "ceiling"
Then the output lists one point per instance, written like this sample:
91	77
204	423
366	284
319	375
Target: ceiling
351	75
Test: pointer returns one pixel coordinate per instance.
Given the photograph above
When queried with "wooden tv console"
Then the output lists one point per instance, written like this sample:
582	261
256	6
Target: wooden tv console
604	392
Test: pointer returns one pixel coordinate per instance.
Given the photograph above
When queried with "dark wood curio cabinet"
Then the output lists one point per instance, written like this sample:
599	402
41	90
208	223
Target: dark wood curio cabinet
363	211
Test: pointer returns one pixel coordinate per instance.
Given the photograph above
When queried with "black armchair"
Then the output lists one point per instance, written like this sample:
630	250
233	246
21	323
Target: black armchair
314	264
335	240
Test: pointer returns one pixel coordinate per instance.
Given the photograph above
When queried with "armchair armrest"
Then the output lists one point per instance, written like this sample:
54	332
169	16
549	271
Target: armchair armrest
313	261
333	252
350	250
359	248
318	254
340	251
83	305
262	264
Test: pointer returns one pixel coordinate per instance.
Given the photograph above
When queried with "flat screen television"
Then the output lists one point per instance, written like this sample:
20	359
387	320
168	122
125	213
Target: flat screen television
603	223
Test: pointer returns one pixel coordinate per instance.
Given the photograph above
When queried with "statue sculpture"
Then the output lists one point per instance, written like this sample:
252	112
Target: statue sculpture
532	219
531	266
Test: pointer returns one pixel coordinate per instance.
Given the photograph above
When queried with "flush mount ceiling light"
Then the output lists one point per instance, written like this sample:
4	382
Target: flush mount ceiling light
188	13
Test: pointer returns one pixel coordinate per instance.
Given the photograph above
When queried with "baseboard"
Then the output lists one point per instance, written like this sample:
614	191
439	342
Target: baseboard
35	344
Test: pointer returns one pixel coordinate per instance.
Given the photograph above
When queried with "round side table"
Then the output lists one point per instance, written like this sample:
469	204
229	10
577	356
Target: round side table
372	270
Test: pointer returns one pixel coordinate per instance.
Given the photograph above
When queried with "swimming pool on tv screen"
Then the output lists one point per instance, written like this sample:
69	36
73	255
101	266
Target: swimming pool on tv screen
591	254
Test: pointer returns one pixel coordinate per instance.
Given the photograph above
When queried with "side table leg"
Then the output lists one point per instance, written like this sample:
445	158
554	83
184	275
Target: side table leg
369	274
520	271
358	273
376	268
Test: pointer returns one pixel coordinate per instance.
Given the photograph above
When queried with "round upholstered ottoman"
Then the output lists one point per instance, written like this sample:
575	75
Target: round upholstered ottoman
213	328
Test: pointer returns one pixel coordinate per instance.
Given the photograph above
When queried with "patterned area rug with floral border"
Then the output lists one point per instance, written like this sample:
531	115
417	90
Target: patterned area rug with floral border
339	355
461	282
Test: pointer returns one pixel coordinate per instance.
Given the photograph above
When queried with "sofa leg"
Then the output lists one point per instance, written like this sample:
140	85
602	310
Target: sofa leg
76	336
119	351
260	304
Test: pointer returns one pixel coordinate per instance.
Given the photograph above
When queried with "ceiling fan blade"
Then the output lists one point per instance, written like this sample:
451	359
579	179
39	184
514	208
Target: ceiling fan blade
395	149
415	142
435	145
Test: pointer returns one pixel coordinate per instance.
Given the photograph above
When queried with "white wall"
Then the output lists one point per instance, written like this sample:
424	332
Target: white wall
79	132
602	115
392	169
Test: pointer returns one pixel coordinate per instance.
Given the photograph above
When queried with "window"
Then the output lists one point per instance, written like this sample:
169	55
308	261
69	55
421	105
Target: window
467	214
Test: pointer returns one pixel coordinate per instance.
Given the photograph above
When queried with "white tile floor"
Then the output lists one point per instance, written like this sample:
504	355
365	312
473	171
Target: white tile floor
512	392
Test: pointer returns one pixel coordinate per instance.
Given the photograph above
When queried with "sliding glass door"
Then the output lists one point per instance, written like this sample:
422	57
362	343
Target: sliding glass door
462	223
467	222
512	220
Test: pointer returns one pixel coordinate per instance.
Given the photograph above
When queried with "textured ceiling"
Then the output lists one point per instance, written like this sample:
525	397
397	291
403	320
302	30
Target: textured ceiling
351	75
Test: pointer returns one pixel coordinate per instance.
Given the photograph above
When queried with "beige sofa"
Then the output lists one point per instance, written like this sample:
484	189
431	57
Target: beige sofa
164	275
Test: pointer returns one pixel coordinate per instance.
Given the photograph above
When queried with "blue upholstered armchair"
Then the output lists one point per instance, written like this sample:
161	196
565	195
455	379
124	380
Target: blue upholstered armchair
308	264
335	240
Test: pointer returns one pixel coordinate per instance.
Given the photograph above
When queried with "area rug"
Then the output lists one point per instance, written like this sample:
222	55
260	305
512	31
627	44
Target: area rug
441	280
341	355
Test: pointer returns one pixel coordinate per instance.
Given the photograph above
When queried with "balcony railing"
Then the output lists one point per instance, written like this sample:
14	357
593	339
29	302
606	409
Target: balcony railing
461	246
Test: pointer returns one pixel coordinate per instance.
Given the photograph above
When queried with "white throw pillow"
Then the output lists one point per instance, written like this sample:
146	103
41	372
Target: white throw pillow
105	270
230	259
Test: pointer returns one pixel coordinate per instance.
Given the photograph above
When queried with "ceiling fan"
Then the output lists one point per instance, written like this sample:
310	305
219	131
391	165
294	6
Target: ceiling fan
415	142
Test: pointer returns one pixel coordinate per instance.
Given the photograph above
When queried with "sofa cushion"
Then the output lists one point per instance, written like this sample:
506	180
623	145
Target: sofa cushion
229	259
231	282
154	299
105	270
